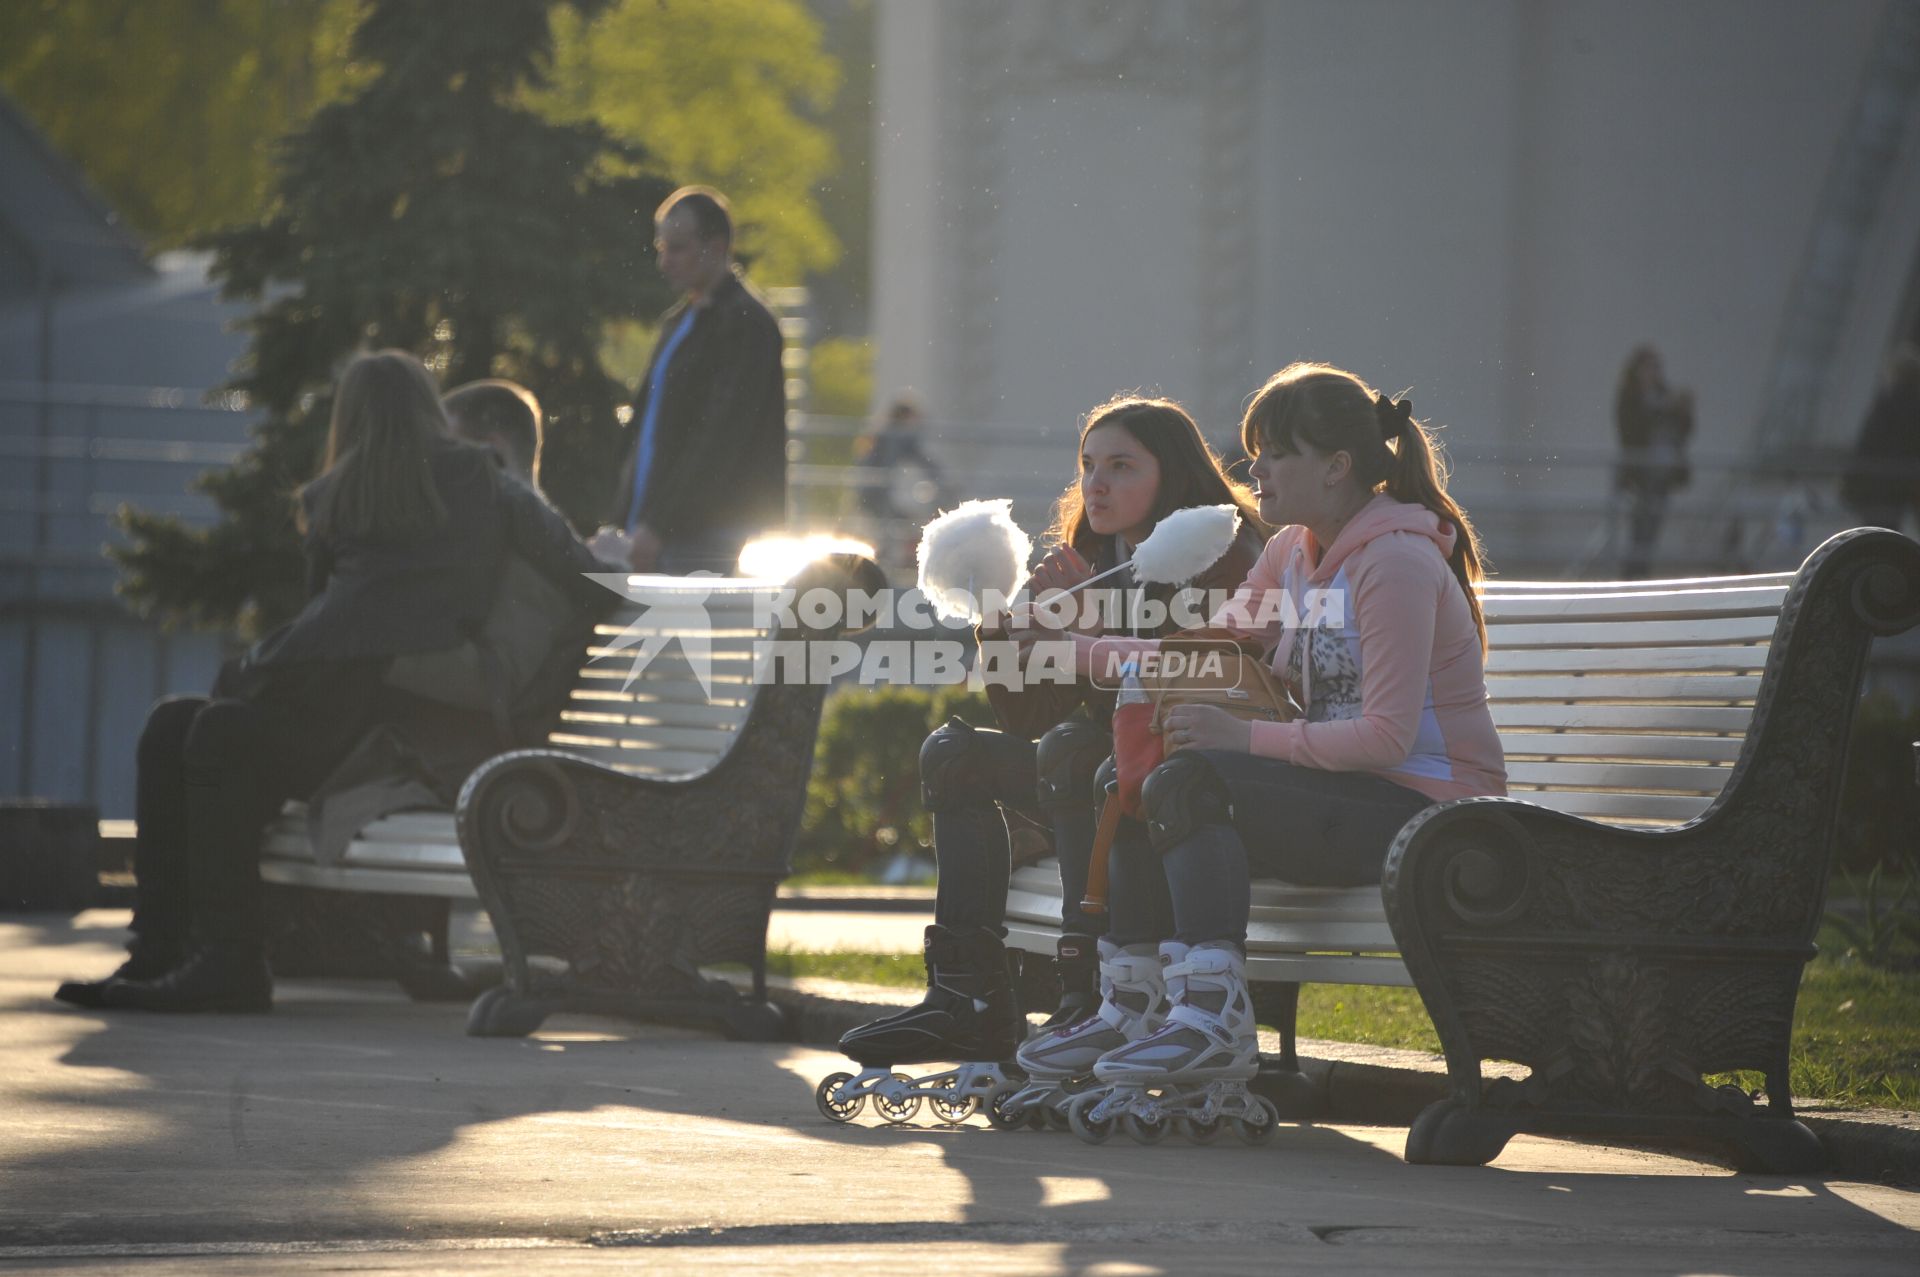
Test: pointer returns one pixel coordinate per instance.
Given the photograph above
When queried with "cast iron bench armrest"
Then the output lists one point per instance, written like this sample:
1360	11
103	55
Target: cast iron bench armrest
1621	964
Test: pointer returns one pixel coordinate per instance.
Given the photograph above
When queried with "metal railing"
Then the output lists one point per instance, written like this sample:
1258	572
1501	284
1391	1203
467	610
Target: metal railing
1541	514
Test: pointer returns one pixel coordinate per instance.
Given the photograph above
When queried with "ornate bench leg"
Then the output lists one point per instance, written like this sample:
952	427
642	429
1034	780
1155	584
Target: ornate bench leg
508	1013
1448	1133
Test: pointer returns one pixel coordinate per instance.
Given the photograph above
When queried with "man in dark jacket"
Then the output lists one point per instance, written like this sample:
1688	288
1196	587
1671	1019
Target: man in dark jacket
708	469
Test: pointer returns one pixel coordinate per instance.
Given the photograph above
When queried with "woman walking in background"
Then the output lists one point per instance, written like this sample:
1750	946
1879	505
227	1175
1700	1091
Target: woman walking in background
1655	423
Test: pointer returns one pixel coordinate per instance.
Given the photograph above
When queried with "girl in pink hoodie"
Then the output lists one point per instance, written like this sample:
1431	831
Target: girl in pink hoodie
1364	600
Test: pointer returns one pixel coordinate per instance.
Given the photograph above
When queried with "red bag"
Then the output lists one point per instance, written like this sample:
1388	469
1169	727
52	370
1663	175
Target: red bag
1137	750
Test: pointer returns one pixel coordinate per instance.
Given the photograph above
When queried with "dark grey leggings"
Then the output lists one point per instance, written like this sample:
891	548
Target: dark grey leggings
999	783
1298	824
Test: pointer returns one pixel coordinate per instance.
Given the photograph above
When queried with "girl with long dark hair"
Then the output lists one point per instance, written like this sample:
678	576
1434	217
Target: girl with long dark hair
1139	459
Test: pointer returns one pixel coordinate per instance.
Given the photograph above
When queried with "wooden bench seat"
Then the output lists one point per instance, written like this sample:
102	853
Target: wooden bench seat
1637	911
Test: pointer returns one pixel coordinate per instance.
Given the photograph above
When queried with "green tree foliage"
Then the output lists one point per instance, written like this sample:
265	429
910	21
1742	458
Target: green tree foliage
172	107
841	295
717	91
430	209
169	106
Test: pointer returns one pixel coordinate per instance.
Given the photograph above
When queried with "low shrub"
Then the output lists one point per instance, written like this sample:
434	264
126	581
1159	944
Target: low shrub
1880	803
863	802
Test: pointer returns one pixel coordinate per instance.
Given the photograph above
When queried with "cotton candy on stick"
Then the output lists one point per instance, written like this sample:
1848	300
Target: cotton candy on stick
972	548
1181	546
1186	543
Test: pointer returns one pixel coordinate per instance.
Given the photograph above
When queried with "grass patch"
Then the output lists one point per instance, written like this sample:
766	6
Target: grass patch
830	878
1856	1037
1856	1030
895	970
1377	1015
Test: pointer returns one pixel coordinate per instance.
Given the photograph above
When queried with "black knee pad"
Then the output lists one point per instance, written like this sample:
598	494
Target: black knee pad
1068	756
953	766
1181	796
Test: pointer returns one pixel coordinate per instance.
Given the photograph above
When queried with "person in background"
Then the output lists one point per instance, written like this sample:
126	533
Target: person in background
502	417
902	487
405	531
712	404
1654	422
1882	483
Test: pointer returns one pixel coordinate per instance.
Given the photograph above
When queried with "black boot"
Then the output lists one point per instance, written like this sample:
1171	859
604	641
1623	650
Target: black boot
221	975
147	957
1077	960
969	1013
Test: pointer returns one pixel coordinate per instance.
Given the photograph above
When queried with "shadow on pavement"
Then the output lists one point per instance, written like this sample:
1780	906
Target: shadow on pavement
351	1113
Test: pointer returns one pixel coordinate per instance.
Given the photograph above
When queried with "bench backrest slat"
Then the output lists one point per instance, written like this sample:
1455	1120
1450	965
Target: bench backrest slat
1631	606
1680	778
1516	635
660	720
1592	746
1599	716
1617	687
1583	660
644	710
1754	580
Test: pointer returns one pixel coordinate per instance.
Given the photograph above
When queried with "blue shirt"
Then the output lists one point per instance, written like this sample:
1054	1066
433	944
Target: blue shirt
656	379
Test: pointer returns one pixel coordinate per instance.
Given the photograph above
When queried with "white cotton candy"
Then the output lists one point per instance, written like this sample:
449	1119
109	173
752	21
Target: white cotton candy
1186	543
971	549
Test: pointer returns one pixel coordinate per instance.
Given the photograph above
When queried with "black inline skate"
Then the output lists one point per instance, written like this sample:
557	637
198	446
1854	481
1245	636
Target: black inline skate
969	1015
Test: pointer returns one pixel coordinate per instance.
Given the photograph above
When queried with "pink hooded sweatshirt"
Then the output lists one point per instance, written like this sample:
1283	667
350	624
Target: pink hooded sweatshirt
1384	659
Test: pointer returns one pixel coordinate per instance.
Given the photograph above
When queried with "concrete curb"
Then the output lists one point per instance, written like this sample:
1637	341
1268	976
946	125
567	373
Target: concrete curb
1348	1082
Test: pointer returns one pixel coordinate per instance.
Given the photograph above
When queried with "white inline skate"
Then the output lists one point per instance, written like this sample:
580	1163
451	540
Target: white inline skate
1059	1064
1191	1074
968	1015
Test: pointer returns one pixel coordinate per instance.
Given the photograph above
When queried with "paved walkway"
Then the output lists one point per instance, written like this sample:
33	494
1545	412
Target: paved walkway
351	1131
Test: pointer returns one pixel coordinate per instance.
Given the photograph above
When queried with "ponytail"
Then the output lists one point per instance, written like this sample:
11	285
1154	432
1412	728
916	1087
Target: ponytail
1419	477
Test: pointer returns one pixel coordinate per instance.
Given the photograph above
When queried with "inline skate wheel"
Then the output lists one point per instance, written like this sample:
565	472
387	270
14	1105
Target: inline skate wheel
1081	1122
1258	1128
1144	1130
1196	1131
900	1111
841	1109
1002	1118
954	1112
